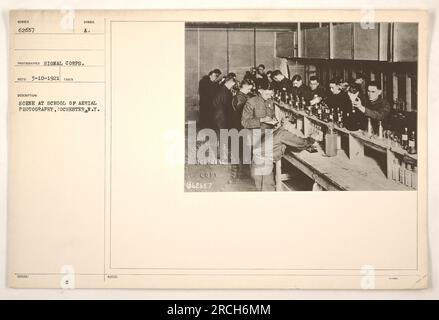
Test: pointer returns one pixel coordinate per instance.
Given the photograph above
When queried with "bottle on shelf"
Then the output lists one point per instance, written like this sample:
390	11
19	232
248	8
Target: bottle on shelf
327	117
296	102
340	119
412	143
380	130
369	127
405	139
284	95
319	112
303	104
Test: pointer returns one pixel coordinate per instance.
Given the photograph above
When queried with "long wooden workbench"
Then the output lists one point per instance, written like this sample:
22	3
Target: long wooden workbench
350	169
341	173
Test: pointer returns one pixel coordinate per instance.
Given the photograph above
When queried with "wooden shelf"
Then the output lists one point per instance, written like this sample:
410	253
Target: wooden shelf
340	173
374	142
357	141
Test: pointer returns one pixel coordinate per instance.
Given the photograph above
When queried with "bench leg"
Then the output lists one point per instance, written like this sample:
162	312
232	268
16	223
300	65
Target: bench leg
278	177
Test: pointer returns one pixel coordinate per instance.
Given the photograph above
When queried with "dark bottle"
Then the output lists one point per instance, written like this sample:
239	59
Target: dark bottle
299	105
412	143
327	113
405	139
284	95
340	119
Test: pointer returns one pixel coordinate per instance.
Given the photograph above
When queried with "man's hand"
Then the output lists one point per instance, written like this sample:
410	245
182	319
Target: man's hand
314	136
315	100
357	104
266	119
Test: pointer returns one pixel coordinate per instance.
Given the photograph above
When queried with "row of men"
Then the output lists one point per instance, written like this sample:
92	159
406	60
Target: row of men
222	107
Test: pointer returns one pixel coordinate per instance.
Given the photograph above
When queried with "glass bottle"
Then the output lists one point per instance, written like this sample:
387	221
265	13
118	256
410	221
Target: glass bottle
412	143
404	139
380	130
369	127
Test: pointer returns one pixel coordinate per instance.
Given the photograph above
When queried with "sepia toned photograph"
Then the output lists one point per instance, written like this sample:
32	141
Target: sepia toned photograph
301	106
138	141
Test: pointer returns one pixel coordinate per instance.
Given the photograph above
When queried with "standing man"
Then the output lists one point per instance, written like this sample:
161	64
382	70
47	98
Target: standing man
259	114
222	109
375	107
222	104
261	78
360	80
238	103
207	89
270	76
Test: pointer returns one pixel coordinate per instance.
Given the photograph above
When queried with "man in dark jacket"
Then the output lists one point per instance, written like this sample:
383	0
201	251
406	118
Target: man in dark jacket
222	104
281	83
261	78
338	99
300	90
222	109
375	107
317	92
207	89
238	103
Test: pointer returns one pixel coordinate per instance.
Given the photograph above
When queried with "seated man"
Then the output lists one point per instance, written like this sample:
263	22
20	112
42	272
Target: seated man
300	89
281	83
317	92
337	98
375	106
259	113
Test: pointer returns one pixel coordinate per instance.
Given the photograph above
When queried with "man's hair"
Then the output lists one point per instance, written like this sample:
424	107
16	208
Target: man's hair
245	82
261	66
276	73
359	75
354	87
248	75
265	86
297	77
375	84
314	78
217	71
229	77
231	74
335	80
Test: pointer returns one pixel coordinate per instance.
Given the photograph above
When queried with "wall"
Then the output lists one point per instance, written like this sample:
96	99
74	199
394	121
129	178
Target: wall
230	50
